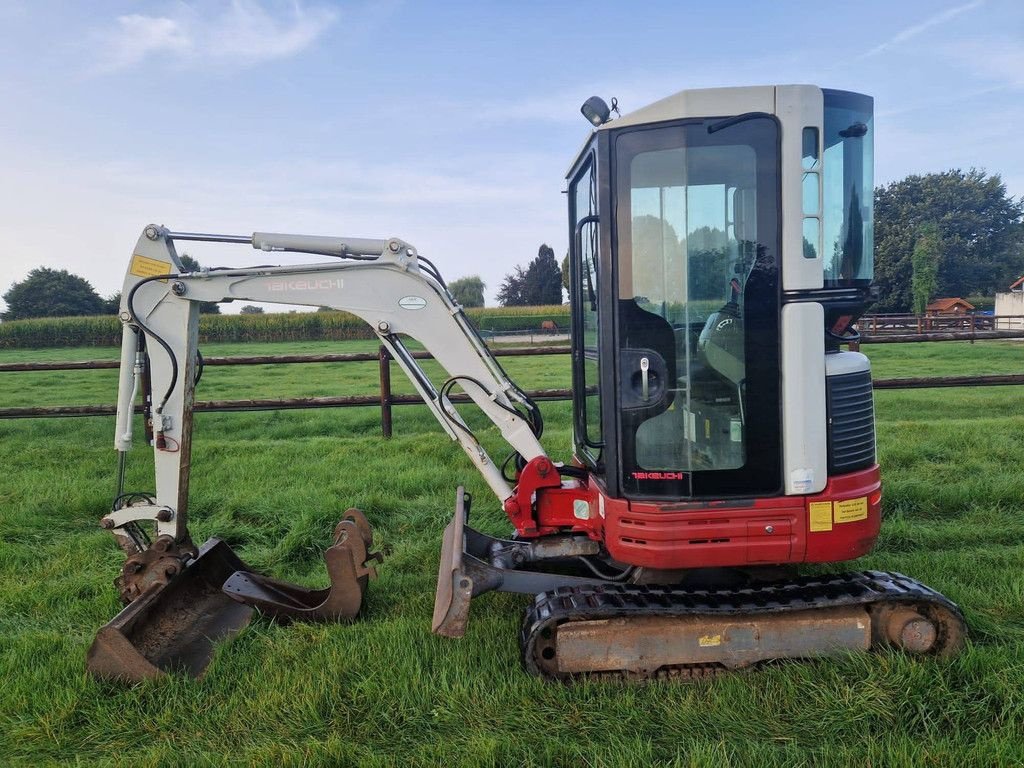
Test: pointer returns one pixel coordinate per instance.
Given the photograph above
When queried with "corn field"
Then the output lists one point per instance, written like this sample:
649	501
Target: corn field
105	330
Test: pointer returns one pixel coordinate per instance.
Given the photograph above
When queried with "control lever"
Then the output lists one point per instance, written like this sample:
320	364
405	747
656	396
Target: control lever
645	365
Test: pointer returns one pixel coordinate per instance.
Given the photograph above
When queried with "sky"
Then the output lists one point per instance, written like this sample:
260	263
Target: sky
448	124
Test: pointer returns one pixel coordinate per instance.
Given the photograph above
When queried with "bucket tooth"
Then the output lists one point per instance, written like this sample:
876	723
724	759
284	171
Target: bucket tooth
348	566
172	625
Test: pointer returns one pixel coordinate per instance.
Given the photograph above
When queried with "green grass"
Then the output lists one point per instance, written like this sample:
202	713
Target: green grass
384	691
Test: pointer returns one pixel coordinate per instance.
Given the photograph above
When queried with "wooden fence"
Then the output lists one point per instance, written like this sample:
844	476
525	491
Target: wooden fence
973	325
386	398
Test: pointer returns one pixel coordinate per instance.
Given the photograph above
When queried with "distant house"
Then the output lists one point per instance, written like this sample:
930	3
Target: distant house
951	306
1010	307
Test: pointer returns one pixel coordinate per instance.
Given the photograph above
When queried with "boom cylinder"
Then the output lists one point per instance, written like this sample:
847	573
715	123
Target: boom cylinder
127	387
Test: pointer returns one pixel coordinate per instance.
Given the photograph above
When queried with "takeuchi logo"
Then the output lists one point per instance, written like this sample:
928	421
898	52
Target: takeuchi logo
307	284
657	475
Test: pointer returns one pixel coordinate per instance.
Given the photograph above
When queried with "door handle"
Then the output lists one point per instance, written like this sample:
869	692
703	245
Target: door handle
645	365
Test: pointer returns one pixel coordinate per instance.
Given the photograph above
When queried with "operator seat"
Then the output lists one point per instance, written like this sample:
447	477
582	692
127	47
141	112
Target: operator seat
721	341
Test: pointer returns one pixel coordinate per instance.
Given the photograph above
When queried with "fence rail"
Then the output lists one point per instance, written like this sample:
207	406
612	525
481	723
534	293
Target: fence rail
878	325
386	399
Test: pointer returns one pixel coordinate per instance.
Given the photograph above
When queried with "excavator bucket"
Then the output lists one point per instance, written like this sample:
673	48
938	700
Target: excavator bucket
172	625
178	617
348	566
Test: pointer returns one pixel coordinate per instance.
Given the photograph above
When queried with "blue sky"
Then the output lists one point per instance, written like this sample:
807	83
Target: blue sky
449	124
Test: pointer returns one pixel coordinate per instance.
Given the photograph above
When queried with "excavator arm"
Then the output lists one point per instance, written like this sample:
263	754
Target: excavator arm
182	598
384	282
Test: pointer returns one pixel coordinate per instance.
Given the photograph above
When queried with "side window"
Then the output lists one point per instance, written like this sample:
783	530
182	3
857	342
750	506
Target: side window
585	290
811	194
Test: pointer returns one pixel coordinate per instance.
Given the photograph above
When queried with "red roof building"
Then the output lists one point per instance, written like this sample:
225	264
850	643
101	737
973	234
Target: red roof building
950	306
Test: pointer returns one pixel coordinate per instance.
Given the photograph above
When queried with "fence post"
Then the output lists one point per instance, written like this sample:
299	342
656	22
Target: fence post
385	392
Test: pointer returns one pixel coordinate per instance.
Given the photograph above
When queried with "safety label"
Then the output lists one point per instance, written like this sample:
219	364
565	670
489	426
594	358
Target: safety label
143	266
851	510
821	516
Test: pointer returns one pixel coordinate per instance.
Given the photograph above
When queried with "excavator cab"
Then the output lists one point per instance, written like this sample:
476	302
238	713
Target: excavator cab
720	249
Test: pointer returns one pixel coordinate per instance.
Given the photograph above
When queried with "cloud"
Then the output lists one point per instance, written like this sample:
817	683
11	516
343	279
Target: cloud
239	33
997	59
913	31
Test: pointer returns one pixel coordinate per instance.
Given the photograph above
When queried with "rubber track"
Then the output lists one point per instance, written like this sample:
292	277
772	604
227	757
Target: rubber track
868	588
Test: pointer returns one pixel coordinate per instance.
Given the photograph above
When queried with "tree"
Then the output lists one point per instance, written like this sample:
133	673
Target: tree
112	304
250	309
925	263
565	273
468	291
510	294
543	283
981	229
49	292
540	283
191	265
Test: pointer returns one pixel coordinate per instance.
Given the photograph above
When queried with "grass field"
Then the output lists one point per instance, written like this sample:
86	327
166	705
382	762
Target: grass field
384	691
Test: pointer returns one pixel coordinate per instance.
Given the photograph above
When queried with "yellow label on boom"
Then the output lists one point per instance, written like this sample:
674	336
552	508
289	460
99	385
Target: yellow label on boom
143	266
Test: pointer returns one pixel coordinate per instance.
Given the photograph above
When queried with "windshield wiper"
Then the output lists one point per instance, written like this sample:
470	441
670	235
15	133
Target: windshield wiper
731	121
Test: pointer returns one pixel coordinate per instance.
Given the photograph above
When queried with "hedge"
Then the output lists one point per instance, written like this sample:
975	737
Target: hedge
105	330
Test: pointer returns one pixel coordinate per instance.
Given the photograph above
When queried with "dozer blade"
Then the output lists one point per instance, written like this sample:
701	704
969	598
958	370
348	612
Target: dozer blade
454	585
172	626
469	568
347	565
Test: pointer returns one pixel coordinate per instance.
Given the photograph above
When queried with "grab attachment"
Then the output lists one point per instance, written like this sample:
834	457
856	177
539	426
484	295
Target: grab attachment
181	602
348	566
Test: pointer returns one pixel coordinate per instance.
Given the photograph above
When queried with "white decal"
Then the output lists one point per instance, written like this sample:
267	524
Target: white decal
412	302
306	284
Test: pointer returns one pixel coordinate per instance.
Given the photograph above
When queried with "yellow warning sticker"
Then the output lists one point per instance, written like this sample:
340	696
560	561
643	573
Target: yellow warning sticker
851	510
707	641
821	516
143	266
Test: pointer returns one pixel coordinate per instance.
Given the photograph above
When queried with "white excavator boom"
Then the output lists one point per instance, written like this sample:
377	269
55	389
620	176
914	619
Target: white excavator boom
384	282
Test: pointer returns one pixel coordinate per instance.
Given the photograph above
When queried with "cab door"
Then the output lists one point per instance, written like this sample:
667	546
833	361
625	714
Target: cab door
696	251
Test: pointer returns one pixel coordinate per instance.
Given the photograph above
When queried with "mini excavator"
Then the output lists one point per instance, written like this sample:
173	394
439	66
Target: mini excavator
720	254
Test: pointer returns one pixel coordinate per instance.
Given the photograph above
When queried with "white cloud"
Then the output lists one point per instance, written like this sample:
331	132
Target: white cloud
239	32
913	31
998	59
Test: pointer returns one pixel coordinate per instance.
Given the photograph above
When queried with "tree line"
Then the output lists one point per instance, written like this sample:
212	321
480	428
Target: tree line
47	292
954	233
